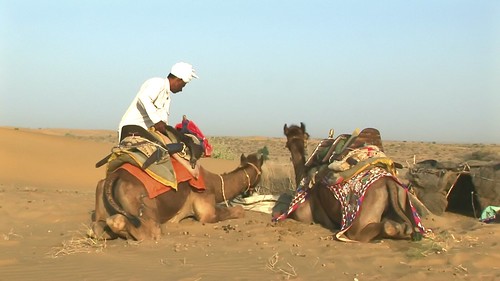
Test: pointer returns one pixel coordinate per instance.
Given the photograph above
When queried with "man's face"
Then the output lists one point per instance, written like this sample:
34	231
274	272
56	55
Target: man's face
177	85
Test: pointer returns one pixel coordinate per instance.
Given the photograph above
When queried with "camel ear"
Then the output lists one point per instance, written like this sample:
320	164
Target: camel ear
303	126
243	158
285	129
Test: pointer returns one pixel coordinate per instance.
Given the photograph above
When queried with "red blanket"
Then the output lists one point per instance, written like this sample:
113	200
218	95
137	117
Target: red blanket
156	188
188	126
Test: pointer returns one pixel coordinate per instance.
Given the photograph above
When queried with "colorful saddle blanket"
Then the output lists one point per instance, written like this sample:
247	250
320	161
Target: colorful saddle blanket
155	188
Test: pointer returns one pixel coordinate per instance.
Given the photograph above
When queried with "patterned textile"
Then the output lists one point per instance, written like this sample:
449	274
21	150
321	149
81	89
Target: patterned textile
350	194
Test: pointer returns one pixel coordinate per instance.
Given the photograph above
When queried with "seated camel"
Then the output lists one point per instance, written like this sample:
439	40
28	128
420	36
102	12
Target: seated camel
124	209
385	211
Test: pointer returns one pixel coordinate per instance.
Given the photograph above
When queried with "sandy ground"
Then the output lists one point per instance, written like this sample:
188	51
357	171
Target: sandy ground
47	184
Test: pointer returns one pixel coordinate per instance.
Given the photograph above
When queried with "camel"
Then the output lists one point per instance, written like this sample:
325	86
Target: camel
123	209
385	211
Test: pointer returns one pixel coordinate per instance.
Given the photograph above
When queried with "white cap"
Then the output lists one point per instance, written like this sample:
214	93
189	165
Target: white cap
184	71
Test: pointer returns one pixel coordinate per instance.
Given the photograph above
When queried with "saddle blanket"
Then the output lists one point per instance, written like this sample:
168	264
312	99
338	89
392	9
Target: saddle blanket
155	188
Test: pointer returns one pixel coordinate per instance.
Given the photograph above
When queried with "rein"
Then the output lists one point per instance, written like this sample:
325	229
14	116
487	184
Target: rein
248	179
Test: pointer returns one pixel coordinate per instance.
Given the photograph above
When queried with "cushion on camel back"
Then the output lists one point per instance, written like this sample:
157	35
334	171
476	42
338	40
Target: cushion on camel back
331	149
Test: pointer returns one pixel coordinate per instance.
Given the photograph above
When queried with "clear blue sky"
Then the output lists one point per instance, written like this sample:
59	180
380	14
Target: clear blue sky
416	70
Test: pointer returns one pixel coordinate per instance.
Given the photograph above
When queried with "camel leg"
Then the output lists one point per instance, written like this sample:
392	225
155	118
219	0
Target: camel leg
120	225
319	198
385	229
367	226
206	211
395	230
303	213
311	211
99	229
370	225
140	207
398	225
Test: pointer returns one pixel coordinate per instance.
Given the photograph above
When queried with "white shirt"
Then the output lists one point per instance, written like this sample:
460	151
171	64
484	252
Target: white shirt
150	106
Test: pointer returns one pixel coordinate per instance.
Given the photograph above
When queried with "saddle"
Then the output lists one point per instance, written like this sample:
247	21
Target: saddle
187	145
334	149
147	150
336	160
180	144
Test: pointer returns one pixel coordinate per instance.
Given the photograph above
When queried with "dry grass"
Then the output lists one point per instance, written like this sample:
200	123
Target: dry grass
277	178
10	235
272	264
79	243
439	243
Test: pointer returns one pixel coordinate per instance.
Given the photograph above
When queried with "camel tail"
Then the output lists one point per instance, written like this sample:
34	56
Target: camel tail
109	185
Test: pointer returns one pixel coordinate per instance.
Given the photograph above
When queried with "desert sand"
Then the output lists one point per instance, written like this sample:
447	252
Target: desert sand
47	184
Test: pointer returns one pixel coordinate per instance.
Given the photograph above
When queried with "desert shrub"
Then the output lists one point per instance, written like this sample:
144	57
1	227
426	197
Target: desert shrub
222	148
483	155
223	153
277	178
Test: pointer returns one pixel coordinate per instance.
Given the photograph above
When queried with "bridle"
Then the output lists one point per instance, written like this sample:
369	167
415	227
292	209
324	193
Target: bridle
250	185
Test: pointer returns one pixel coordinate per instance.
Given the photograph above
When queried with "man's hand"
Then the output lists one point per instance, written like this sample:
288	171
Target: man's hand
161	127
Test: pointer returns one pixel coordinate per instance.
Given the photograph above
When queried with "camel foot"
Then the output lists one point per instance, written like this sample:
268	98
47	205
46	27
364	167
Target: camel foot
238	211
116	223
98	231
396	230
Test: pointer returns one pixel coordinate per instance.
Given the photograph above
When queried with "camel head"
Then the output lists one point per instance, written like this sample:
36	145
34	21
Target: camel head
296	133
254	160
296	138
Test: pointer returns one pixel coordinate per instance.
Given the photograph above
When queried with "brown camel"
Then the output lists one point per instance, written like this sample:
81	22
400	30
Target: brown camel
385	212
123	208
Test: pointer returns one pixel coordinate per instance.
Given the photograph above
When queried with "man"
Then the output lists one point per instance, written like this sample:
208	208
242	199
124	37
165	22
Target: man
151	106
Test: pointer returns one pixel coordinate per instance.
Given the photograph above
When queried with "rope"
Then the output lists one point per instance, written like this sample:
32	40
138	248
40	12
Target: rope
248	179
223	192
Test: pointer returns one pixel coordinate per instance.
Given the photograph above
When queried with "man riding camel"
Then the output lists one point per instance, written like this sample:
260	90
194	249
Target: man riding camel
151	106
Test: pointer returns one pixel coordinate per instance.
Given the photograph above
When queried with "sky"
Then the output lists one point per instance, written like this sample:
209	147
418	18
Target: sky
415	70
